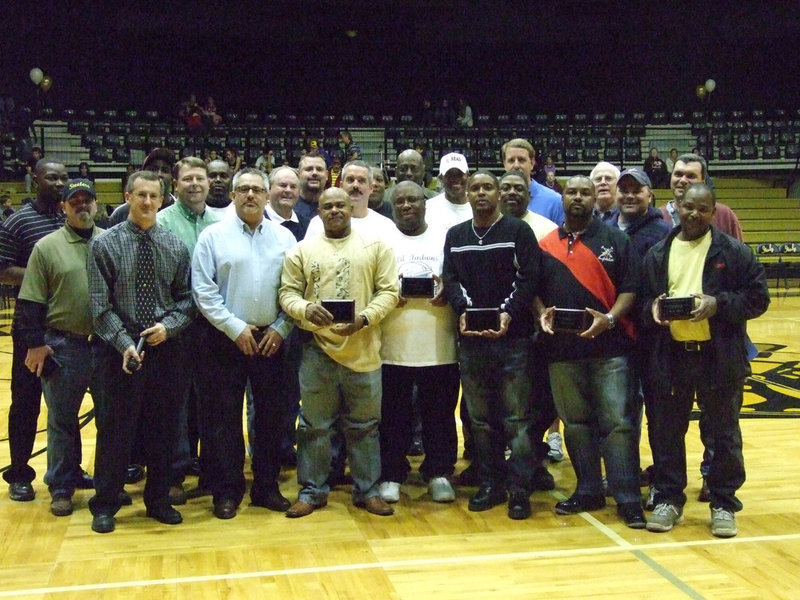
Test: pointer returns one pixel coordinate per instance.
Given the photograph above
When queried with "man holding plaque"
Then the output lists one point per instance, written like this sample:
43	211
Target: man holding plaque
698	348
418	347
589	283
339	285
491	266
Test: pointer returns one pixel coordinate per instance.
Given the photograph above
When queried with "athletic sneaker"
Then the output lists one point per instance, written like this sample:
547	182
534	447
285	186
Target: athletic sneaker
556	453
723	523
441	490
664	516
389	491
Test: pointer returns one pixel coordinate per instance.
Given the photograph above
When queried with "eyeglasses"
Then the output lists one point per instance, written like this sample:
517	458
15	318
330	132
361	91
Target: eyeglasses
246	189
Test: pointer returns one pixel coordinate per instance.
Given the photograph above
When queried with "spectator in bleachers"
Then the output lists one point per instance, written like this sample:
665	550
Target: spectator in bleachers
211	117
212	155
191	113
5	209
549	167
233	159
444	115
30	167
464	118
673	156
518	154
552	183
604	176
425	116
84	172
656	169
335	171
352	151
266	162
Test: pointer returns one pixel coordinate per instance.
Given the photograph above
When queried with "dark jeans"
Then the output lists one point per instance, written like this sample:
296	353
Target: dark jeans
26	400
121	403
437	398
225	373
497	388
690	374
64	390
192	339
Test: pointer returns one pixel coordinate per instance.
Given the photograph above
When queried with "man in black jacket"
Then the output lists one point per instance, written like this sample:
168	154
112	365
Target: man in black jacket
703	354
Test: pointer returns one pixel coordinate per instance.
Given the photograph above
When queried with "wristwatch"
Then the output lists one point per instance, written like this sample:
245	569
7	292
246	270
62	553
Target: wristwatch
366	321
612	322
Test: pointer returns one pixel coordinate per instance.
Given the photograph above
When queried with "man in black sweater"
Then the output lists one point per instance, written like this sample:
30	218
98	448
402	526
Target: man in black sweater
491	262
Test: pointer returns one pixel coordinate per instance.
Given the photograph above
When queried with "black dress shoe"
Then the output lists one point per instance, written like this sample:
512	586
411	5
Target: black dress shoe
103	523
225	509
469	477
519	506
165	514
177	495
579	503
272	500
21	491
125	498
632	515
134	474
488	496
542	479
84	481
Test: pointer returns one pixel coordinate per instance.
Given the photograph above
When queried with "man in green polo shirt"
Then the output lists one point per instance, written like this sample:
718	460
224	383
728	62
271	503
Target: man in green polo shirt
186	218
55	323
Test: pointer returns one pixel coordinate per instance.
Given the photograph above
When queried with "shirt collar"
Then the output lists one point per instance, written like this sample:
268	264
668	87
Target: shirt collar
274	216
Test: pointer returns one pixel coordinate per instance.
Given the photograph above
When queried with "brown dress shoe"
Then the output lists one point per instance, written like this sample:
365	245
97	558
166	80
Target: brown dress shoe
303	509
376	506
225	509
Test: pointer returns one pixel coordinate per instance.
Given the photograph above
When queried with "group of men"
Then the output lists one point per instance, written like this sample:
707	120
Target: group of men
341	319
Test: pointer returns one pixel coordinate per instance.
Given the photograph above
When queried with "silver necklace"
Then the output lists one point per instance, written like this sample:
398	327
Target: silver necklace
480	237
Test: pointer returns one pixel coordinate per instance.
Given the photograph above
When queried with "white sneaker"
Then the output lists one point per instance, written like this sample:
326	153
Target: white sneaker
389	491
723	523
556	453
441	490
664	517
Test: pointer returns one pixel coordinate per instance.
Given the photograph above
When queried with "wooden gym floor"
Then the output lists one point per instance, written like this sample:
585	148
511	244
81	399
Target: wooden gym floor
434	551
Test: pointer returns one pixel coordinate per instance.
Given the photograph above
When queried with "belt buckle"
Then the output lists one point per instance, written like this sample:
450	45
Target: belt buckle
692	346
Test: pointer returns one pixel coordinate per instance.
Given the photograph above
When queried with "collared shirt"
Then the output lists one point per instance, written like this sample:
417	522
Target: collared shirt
546	202
20	232
185	223
294	224
112	283
56	277
236	274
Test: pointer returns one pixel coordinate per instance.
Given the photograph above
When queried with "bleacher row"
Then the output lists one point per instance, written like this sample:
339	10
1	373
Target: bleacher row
736	139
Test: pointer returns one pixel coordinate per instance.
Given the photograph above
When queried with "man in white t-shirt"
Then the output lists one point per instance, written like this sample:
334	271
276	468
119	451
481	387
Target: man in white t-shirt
357	183
450	207
418	348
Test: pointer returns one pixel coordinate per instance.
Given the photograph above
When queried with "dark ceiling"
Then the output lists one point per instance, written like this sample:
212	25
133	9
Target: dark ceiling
571	55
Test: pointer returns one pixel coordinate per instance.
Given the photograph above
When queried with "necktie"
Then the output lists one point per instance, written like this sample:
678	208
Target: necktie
145	283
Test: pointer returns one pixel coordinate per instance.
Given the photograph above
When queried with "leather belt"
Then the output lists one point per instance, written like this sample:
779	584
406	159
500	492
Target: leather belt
691	345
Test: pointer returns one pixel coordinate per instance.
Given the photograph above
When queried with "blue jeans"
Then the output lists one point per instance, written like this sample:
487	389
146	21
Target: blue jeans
63	391
497	389
595	400
330	391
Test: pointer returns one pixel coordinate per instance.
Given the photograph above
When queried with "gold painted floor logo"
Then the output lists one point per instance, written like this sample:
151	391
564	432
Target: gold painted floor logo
773	390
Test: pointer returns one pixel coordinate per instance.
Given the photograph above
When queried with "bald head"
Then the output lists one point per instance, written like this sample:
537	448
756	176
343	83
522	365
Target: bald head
410	167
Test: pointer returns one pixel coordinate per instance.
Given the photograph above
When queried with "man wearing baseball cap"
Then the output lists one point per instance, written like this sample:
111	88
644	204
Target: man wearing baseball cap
451	206
635	214
159	161
55	323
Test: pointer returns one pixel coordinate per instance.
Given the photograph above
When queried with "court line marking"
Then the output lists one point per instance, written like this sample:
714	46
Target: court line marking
398	564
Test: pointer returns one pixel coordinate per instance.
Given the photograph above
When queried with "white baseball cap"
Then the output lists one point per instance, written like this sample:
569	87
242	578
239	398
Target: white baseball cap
454	160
